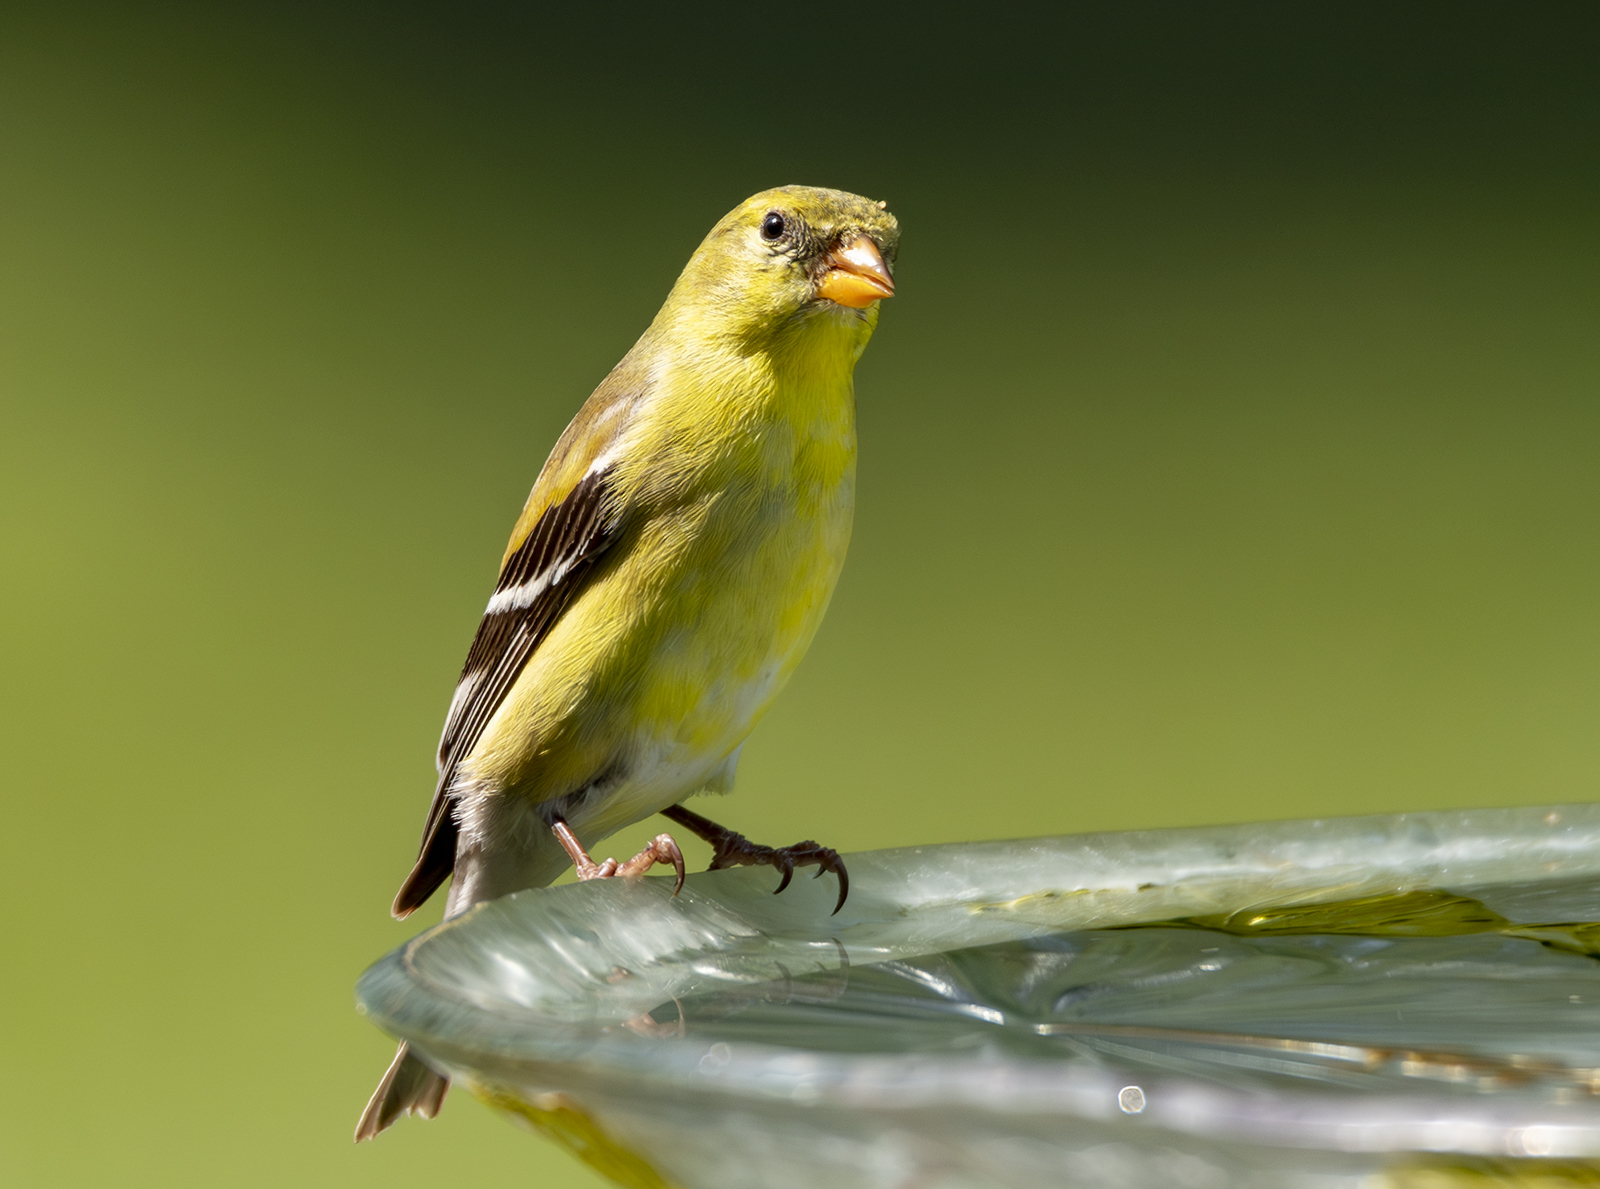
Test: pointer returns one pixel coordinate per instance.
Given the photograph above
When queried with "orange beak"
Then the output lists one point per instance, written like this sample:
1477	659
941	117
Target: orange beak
857	275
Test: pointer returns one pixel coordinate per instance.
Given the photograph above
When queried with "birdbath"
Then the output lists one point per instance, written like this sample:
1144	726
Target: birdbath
1384	1002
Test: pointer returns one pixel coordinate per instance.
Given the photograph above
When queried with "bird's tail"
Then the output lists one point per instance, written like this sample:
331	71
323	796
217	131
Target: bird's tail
409	1087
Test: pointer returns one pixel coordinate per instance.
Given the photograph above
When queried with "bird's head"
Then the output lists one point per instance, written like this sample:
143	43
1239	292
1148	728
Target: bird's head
788	255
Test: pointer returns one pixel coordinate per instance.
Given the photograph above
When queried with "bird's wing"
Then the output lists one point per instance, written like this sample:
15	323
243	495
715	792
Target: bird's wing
538	579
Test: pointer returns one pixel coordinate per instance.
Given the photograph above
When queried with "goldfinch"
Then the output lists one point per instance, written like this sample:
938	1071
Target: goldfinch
666	576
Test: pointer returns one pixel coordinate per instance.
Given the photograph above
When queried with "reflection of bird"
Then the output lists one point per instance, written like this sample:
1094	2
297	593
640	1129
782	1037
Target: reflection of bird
666	575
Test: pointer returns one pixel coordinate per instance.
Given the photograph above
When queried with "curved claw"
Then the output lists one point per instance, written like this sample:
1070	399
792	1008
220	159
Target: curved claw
732	849
844	884
662	849
828	860
675	857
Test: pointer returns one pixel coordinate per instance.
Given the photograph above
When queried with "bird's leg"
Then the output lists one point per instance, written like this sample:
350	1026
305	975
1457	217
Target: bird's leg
662	849
735	850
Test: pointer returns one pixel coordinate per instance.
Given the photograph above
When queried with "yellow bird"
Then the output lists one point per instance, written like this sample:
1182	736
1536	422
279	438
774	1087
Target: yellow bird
666	576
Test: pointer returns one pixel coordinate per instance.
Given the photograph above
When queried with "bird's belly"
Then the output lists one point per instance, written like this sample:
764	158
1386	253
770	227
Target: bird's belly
666	663
711	675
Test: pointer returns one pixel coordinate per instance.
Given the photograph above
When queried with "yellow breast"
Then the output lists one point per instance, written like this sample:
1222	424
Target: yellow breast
739	480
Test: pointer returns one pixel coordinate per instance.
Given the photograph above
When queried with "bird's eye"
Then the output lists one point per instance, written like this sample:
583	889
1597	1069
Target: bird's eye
773	226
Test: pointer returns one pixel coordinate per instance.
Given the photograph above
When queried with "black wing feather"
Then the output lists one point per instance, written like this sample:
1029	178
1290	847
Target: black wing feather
549	567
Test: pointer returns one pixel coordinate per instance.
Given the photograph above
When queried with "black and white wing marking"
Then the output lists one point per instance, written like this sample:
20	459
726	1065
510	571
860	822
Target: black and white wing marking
536	584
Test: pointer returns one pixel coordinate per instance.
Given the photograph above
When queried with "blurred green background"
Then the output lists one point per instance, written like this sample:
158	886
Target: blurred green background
1231	453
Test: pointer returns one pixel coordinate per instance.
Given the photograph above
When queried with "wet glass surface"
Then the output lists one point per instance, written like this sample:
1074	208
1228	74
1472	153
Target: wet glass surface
1268	1004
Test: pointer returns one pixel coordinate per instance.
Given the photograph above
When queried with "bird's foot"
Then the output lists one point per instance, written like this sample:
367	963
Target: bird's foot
662	849
735	850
